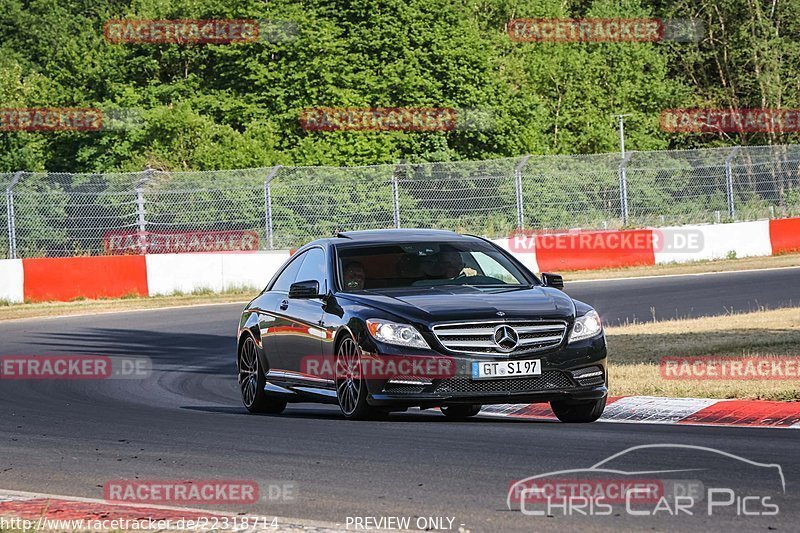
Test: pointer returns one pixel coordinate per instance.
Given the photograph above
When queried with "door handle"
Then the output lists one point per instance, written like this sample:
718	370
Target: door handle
284	305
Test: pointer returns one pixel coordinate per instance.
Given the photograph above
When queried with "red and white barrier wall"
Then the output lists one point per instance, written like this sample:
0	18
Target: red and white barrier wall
742	239
11	278
594	250
70	278
168	273
64	279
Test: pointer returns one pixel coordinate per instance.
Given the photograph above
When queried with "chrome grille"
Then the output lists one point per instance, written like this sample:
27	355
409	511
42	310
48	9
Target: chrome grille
478	337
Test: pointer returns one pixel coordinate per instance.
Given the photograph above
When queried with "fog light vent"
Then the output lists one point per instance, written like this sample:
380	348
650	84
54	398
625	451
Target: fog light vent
410	380
592	375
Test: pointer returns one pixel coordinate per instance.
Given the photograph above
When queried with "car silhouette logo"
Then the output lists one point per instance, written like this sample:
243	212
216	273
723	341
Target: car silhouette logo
506	338
615	466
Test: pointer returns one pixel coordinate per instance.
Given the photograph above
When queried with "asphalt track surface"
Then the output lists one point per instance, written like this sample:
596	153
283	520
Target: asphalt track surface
185	421
687	296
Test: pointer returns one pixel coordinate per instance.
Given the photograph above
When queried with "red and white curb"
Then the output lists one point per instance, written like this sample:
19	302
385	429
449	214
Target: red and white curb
684	411
65	513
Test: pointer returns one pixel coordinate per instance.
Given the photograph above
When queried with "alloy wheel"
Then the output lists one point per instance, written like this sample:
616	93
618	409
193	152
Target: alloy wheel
348	376
248	372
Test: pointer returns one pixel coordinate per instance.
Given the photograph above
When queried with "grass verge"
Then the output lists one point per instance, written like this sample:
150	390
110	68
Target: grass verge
82	307
635	352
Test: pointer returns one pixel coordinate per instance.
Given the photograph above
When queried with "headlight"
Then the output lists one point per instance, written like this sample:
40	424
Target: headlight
394	333
586	326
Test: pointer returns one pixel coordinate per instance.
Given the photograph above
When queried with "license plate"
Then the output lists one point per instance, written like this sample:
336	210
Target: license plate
506	369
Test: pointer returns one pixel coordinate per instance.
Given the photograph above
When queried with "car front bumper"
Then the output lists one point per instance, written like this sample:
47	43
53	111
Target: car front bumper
562	378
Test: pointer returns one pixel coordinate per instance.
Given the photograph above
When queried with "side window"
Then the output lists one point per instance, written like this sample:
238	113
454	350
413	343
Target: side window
314	268
493	269
289	275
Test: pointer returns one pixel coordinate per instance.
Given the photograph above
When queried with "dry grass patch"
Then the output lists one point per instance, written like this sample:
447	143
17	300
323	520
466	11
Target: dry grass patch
635	352
82	307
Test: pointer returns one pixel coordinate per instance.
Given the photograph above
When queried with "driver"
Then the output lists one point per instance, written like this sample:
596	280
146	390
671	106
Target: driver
354	276
452	264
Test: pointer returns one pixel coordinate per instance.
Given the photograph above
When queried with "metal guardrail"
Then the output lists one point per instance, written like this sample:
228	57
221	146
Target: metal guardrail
65	214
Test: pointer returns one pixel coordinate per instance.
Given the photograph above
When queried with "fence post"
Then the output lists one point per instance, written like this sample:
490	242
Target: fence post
518	191
396	194
729	182
623	187
268	204
11	219
141	220
8	223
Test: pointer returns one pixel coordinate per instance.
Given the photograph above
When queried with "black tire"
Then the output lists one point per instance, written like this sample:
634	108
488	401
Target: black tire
578	412
460	412
351	388
252	381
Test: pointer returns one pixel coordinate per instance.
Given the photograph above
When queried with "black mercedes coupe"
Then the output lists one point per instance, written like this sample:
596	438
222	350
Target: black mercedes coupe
383	320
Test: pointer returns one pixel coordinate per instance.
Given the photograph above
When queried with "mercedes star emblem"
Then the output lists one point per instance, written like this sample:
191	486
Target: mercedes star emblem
506	338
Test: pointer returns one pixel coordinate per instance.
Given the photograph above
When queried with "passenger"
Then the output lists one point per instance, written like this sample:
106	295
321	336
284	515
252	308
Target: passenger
354	276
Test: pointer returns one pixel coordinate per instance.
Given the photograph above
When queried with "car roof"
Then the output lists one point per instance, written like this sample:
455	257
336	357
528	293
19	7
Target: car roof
398	235
394	233
389	236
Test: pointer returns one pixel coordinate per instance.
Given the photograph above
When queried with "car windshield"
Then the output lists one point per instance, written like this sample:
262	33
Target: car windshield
399	265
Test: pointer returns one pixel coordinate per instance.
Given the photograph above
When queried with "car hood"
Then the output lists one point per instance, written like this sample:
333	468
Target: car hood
453	303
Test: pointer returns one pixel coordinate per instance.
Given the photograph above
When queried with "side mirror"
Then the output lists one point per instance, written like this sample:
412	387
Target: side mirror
304	290
552	280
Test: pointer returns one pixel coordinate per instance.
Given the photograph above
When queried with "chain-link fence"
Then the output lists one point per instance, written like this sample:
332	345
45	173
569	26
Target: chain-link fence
63	214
